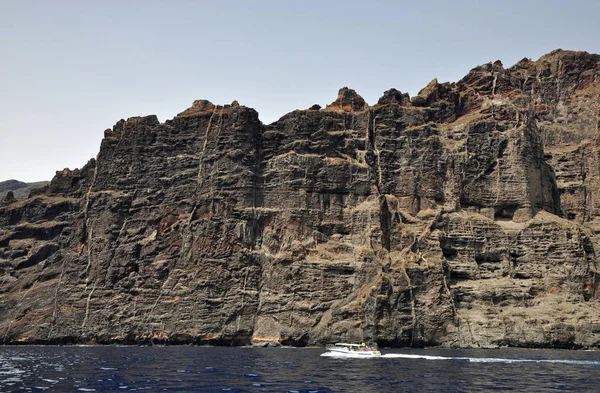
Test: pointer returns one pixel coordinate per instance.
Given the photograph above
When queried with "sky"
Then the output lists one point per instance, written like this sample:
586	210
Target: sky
71	69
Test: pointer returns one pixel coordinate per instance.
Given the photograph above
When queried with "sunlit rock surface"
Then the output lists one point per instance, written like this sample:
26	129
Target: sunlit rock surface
466	216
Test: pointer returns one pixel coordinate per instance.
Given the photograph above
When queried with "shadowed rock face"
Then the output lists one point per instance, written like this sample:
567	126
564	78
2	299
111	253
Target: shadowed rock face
466	216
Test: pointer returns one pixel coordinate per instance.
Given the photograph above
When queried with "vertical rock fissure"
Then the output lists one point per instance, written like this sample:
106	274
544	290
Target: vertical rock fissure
371	127
451	298
204	144
256	185
256	238
87	309
413	312
53	322
89	244
87	279
86	219
216	148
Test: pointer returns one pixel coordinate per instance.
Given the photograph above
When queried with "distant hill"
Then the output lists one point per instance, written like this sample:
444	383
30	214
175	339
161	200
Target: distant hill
20	189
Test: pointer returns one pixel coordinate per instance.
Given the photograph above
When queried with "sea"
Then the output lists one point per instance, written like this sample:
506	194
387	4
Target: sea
292	370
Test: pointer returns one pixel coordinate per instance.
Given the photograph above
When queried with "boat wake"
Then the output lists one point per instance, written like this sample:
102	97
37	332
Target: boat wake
466	359
492	360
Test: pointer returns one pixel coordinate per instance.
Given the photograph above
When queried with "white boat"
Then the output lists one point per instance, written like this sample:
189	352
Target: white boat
351	350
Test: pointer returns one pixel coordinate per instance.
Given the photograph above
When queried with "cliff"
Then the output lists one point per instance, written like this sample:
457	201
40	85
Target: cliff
466	216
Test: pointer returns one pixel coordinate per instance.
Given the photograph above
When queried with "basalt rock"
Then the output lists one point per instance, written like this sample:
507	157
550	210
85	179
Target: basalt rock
467	216
347	101
393	96
9	198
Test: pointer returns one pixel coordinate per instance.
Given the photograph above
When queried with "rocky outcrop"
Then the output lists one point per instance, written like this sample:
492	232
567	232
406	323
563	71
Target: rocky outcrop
466	216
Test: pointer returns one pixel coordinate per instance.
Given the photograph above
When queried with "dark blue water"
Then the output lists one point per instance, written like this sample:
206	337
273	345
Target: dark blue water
302	370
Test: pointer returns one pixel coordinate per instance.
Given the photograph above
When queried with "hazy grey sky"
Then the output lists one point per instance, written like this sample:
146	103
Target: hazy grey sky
71	69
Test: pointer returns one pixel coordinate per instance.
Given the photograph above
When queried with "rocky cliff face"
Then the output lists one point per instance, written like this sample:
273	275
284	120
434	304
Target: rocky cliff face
465	216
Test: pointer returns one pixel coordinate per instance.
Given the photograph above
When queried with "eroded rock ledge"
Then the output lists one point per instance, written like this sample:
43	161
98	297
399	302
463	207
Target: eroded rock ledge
466	216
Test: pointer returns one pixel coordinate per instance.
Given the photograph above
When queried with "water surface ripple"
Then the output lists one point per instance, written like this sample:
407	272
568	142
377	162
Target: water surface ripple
296	370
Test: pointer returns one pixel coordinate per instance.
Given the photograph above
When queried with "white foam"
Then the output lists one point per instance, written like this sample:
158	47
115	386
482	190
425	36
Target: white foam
406	356
493	360
467	359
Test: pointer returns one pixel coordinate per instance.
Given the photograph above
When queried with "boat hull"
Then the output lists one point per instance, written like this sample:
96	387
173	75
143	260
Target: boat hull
334	352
